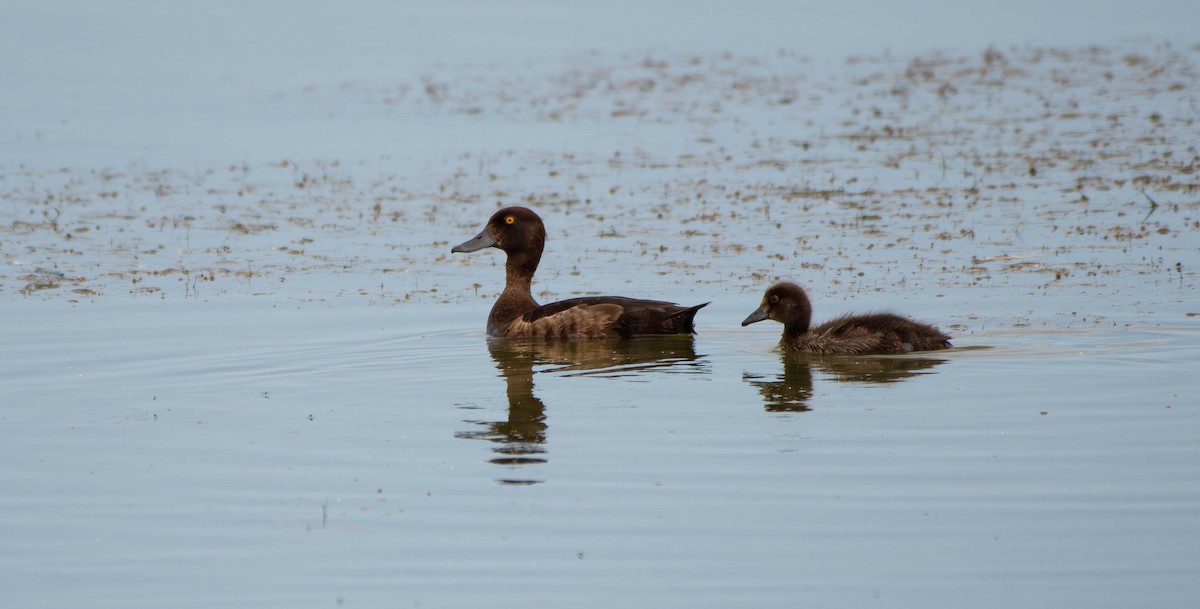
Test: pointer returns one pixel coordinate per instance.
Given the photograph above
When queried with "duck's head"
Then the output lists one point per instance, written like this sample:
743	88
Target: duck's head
785	303
512	229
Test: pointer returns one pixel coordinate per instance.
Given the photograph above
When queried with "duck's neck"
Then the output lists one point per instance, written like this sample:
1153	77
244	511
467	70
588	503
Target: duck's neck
517	296
518	275
794	330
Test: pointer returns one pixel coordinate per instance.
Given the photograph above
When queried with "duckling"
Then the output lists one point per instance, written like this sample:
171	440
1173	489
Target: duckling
788	304
521	235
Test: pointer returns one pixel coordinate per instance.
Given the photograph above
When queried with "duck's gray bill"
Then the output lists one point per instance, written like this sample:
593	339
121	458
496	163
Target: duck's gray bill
478	242
756	316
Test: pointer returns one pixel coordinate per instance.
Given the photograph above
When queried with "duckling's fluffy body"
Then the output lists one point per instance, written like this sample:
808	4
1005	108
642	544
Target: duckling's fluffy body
788	304
520	233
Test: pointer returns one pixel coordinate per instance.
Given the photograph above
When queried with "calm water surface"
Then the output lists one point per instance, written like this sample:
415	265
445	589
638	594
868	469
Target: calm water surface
309	457
240	367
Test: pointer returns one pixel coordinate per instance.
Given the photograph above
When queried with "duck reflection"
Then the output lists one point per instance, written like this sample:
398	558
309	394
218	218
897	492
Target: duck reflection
792	390
520	439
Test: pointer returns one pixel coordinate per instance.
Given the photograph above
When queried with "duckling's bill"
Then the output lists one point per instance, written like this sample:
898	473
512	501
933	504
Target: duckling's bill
758	315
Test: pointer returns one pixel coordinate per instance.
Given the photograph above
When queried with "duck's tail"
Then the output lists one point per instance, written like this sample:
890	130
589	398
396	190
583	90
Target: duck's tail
687	317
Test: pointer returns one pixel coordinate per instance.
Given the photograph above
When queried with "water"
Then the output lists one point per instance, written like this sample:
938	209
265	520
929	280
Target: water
241	367
230	458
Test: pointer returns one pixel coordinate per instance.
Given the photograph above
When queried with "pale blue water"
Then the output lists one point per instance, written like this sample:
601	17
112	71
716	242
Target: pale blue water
240	457
240	367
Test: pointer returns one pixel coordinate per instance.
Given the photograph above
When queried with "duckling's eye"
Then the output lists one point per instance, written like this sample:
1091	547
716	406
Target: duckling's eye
509	219
774	298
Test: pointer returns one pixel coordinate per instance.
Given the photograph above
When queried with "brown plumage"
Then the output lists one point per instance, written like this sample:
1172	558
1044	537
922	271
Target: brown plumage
851	334
519	232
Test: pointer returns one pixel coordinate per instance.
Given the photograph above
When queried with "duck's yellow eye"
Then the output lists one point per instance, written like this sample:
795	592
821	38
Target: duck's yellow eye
509	219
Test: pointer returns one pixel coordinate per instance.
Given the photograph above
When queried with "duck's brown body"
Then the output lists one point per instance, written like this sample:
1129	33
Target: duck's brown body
519	232
788	304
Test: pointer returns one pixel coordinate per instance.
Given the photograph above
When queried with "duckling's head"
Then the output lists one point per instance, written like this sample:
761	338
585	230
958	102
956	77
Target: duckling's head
785	303
512	229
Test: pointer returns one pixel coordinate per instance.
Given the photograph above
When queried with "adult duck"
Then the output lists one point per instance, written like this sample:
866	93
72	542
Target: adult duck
788	304
520	233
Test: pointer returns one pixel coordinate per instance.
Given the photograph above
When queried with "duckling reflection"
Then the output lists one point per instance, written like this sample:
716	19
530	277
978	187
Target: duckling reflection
521	437
793	389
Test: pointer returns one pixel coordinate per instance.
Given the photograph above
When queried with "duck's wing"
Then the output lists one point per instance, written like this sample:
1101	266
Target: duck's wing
609	316
574	318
